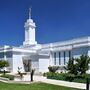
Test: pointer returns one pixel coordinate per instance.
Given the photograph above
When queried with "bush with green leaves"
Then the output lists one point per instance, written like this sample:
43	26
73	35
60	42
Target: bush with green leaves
71	67
76	68
79	80
69	77
56	76
78	65
53	69
82	64
45	74
3	63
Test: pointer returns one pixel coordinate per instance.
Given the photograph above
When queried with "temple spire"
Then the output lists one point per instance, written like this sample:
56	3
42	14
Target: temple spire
30	13
30	37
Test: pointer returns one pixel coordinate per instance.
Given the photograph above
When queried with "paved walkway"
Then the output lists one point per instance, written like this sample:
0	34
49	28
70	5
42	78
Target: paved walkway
61	83
26	80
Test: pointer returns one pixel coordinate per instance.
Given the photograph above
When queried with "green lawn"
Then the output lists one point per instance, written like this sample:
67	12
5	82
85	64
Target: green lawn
34	86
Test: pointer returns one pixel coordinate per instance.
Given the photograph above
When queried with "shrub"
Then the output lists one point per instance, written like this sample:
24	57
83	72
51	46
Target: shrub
80	76
80	80
50	74
83	76
61	76
78	65
69	77
71	67
10	77
57	76
53	69
45	74
3	64
82	64
86	76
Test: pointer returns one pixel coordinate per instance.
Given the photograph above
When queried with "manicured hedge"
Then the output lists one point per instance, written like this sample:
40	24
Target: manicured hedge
55	76
67	77
80	80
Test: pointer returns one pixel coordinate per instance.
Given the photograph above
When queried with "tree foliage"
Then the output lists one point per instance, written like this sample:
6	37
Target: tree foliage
82	64
53	68
78	65
71	67
3	64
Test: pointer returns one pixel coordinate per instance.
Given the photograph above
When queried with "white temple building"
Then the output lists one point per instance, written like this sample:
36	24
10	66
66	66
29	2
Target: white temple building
32	55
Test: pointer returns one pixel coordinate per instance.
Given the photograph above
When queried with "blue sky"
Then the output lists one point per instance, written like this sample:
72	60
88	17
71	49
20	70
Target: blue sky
56	20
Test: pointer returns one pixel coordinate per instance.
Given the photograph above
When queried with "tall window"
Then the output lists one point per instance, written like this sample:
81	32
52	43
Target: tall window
64	58
55	58
69	54
1	54
59	58
8	54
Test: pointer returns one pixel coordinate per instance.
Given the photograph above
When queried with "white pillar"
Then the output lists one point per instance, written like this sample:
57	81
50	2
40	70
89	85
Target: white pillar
51	59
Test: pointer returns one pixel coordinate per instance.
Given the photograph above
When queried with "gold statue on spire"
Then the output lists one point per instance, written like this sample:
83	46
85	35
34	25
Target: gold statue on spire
30	13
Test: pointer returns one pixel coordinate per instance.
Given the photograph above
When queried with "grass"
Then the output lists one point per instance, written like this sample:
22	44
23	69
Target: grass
33	86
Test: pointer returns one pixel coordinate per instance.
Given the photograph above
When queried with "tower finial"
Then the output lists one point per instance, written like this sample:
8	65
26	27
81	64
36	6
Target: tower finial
30	13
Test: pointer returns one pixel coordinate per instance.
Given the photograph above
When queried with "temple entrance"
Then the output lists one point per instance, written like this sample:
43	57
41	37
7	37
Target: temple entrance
27	65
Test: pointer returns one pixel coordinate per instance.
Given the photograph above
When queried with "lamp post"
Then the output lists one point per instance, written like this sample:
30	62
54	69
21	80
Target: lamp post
29	68
32	73
88	84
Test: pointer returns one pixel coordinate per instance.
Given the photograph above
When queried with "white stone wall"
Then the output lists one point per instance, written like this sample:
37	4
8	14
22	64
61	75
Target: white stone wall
35	65
35	62
51	61
43	64
52	54
76	52
10	60
17	62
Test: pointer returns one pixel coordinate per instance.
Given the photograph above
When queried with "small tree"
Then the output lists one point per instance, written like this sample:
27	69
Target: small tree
78	65
71	67
82	64
3	64
53	68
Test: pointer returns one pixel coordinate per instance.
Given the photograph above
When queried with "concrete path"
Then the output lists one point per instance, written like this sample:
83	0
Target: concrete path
55	82
59	82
